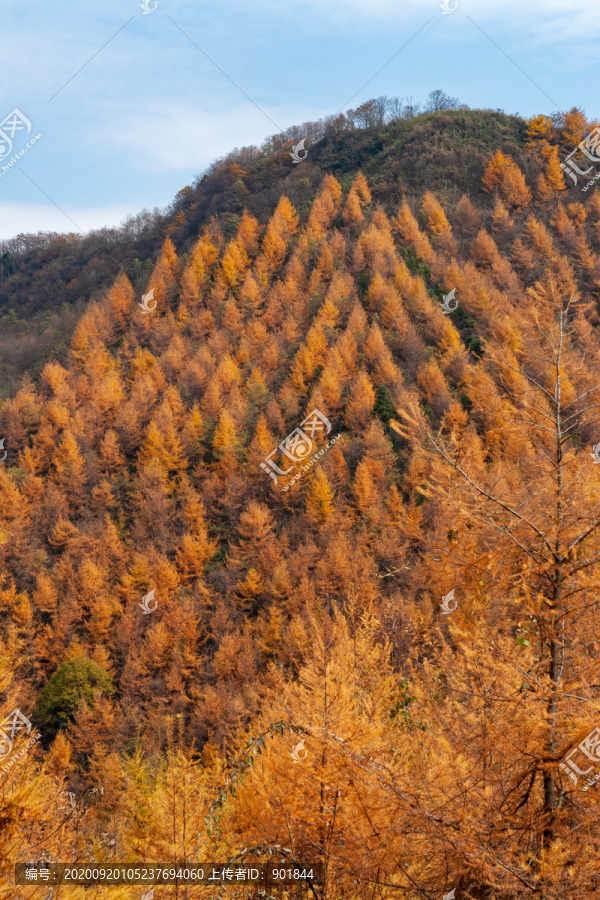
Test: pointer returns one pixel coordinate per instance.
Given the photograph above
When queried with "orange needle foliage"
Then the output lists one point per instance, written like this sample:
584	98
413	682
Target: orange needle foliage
434	737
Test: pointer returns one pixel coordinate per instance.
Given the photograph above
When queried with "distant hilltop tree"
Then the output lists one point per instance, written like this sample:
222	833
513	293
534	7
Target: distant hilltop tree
438	100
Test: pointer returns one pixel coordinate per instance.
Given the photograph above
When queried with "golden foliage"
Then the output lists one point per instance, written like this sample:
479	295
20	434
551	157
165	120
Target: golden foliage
312	612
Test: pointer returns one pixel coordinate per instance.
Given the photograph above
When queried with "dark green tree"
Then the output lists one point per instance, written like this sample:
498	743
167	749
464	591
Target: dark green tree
384	407
75	680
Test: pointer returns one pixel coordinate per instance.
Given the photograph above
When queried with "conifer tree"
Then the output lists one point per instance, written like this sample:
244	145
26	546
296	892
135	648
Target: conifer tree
466	218
554	174
539	128
361	402
319	498
503	177
573	127
358	196
541	564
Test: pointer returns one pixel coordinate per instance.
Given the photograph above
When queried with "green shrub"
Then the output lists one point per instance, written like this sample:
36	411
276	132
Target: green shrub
75	680
384	407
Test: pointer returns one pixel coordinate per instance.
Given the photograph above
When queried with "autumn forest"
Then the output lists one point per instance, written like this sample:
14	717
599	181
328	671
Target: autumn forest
416	611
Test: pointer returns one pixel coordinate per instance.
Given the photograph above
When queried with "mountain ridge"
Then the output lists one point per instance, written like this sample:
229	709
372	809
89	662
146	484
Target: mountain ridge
37	268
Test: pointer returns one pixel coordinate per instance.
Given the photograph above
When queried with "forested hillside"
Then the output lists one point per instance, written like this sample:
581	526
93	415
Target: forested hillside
418	607
47	279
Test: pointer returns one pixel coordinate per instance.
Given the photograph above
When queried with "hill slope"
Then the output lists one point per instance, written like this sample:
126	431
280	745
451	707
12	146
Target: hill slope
346	461
47	280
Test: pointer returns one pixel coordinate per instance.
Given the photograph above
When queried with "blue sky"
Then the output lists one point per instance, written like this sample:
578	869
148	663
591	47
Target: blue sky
149	111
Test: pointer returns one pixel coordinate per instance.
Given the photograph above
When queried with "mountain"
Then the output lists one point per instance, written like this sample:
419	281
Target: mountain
299	537
46	280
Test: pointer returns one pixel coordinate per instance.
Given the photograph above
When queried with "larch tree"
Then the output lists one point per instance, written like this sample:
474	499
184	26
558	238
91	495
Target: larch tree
501	219
434	216
318	501
306	788
164	277
466	218
282	225
408	228
360	403
572	128
248	233
323	210
484	251
120	301
358	197
503	177
553	174
518	540
539	128
233	263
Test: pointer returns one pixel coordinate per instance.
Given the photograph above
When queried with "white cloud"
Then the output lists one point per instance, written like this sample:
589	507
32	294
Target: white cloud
179	136
550	21
29	218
